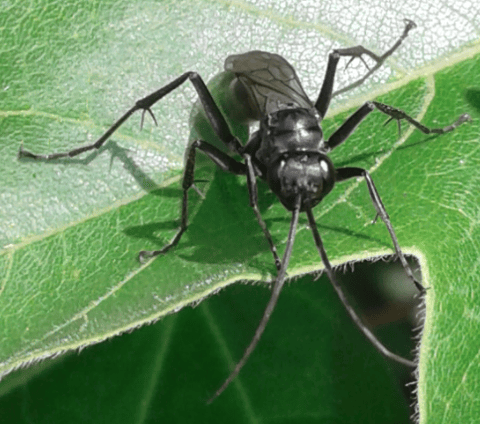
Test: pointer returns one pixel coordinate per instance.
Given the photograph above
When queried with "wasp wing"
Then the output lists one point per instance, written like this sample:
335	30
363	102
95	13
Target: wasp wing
270	81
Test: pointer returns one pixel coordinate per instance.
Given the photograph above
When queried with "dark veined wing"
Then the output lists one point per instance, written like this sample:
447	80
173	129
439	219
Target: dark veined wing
270	81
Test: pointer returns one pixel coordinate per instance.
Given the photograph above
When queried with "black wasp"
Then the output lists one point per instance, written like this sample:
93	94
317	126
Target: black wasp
288	152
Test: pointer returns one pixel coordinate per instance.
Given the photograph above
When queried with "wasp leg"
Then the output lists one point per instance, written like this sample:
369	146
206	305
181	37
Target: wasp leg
350	172
253	194
218	122
276	289
75	152
222	160
326	92
359	51
398	115
356	319
325	95
346	129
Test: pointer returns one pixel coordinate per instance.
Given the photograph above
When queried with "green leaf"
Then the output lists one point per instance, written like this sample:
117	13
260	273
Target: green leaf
71	229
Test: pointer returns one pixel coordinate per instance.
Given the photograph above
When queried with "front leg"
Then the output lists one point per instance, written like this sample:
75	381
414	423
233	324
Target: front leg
343	174
222	160
344	299
253	195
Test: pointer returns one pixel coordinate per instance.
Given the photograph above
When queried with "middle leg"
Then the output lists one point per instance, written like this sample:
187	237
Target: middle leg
347	128
213	113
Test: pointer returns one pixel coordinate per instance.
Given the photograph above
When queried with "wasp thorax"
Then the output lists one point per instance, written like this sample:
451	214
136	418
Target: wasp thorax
308	174
288	131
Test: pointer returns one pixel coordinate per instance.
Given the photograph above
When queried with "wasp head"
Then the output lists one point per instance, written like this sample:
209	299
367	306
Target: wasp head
310	174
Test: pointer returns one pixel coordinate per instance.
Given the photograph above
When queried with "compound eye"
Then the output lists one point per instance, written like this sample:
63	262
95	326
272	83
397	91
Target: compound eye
328	175
325	167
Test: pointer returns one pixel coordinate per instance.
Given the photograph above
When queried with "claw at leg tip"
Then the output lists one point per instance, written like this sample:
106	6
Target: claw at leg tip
143	255
409	23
